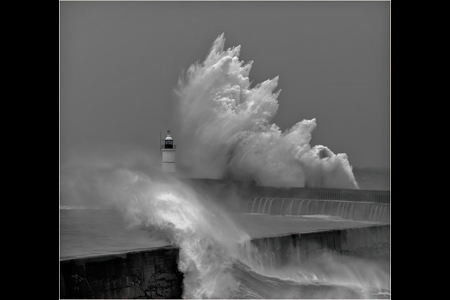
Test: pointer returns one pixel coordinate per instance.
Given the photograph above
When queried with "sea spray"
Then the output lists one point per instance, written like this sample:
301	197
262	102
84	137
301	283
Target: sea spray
226	129
218	258
208	240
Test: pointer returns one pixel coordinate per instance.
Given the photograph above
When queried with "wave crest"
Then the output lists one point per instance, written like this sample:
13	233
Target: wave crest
227	132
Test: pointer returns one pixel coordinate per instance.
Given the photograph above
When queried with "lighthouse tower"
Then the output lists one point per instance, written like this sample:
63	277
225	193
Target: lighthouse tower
168	154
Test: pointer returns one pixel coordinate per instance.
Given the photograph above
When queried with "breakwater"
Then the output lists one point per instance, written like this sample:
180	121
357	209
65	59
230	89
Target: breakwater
358	205
352	210
153	273
146	274
322	194
248	190
371	243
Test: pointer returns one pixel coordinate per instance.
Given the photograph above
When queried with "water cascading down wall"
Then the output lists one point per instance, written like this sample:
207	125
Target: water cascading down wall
358	211
358	205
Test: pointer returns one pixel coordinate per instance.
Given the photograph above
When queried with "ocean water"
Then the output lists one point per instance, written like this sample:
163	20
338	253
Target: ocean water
247	273
226	128
216	254
109	206
98	231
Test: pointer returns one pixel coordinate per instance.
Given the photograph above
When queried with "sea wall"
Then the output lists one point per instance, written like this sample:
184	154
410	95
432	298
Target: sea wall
352	210
248	190
322	193
371	243
145	274
154	274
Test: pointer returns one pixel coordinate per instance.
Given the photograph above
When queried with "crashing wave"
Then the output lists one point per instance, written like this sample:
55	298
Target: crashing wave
226	129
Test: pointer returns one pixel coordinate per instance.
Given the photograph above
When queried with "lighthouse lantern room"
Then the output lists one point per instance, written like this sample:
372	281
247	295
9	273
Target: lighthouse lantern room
168	154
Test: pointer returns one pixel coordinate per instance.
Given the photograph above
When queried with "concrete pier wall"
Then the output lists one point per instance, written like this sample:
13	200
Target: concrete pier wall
321	193
372	243
145	274
154	273
248	190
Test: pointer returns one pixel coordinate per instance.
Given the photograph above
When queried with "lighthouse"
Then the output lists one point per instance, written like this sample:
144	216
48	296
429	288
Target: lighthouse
168	154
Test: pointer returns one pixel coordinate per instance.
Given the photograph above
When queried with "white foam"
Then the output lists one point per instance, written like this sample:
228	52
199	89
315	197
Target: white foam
227	130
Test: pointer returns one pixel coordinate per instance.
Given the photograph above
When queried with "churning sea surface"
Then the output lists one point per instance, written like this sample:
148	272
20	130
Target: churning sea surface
99	231
90	231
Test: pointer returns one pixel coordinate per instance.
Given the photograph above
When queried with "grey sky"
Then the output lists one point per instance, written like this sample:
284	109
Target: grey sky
120	61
